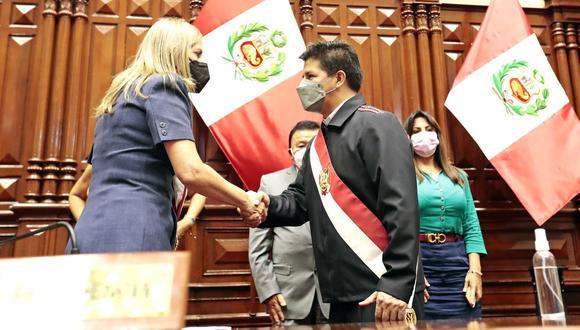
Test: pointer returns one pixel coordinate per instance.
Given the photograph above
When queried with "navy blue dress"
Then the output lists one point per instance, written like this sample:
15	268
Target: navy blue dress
129	205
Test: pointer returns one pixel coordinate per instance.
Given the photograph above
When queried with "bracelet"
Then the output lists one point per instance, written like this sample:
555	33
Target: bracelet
473	271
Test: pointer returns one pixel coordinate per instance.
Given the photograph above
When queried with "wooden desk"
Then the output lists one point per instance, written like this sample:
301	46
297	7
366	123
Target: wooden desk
572	322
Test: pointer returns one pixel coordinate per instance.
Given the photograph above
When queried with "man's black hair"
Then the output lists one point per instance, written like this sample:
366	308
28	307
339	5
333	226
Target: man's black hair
305	125
334	56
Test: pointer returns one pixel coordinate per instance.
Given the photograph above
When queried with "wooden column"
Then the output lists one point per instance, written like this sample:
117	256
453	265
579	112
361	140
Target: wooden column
54	136
574	62
306	25
439	70
195	6
424	54
73	103
47	27
410	72
562	58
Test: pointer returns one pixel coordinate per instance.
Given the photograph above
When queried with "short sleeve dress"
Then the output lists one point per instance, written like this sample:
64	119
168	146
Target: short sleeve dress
129	207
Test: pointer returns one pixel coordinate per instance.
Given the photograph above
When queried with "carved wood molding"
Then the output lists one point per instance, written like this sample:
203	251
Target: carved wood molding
439	70
80	8
195	7
65	8
572	34
306	14
33	180
571	42
435	19
36	164
558	34
73	104
559	37
408	16
50	7
306	24
424	59
421	19
563	3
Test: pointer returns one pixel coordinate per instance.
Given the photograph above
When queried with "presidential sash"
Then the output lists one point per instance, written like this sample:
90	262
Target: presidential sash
360	229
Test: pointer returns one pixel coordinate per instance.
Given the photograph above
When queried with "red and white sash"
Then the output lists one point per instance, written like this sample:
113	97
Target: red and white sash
362	231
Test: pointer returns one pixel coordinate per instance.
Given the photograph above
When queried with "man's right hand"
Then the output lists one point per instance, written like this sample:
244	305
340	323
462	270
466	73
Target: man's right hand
274	306
256	209
387	307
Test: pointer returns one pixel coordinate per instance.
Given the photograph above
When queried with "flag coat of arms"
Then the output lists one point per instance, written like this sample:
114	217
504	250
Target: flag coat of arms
508	98
250	104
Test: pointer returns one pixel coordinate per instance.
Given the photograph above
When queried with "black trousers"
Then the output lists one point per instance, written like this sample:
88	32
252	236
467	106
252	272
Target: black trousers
350	312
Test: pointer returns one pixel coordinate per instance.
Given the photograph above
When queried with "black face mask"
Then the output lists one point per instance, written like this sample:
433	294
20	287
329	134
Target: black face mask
199	73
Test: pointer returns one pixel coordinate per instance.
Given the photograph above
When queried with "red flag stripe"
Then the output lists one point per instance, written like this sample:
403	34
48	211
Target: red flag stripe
259	128
366	220
499	19
551	150
215	13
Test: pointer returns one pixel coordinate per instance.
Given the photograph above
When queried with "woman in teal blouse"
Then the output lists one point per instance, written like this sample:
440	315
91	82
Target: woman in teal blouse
450	235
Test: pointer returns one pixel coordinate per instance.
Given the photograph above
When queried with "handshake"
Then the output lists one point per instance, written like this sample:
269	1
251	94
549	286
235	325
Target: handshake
255	209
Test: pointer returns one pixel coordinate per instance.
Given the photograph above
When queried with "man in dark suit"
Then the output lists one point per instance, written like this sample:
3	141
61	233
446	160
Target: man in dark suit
282	258
357	187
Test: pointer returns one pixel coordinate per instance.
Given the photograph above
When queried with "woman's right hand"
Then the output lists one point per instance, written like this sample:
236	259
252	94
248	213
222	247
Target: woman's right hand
255	208
183	226
426	293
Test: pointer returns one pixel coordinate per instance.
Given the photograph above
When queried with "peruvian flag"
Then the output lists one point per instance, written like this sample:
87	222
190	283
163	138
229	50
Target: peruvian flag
508	98
250	104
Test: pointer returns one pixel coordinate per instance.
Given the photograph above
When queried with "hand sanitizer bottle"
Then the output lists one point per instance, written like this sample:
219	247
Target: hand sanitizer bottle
547	280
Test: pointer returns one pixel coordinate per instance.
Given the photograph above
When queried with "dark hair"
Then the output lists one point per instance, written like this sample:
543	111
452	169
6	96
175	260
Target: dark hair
441	155
305	125
335	56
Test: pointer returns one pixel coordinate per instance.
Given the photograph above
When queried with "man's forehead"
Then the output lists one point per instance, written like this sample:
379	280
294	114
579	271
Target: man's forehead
312	65
304	134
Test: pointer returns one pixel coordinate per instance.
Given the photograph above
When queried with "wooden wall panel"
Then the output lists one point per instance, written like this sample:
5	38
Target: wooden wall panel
13	118
510	243
220	281
389	89
373	29
8	229
32	217
18	43
101	66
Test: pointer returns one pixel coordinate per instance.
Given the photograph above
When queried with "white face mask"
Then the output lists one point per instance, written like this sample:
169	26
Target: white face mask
425	143
298	156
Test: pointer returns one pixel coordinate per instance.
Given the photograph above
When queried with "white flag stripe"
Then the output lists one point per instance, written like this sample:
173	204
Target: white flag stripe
486	118
224	94
352	235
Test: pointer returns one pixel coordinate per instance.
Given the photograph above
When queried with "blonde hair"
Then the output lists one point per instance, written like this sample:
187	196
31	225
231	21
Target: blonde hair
164	51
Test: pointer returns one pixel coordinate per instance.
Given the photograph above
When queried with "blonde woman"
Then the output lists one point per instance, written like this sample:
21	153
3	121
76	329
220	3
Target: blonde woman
450	234
143	136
